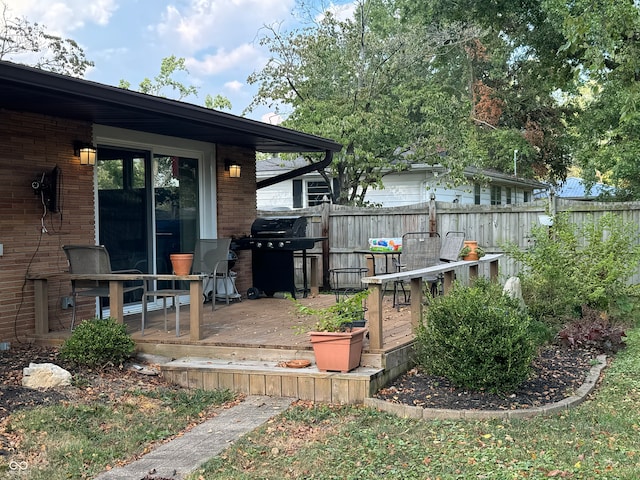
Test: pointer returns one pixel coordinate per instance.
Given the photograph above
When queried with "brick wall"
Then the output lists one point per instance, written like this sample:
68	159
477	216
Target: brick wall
237	205
30	145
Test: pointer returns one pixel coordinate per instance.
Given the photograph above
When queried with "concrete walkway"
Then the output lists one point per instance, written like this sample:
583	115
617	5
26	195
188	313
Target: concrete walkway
184	454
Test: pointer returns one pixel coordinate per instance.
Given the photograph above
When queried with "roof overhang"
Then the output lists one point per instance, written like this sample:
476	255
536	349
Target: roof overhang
27	89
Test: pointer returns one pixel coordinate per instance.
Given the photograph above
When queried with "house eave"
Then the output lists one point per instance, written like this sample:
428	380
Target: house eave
32	90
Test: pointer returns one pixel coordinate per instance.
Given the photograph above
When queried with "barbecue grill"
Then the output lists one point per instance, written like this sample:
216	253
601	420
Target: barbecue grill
273	242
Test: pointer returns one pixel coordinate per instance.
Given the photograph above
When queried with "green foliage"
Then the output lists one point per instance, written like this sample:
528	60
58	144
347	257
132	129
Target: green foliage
595	331
571	265
339	316
96	343
364	82
170	68
477	337
22	40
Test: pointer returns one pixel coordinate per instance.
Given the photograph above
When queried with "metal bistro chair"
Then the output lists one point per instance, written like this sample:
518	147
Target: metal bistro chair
94	259
212	259
346	281
419	250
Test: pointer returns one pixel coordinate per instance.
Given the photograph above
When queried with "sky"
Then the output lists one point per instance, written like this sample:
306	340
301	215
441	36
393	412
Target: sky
219	39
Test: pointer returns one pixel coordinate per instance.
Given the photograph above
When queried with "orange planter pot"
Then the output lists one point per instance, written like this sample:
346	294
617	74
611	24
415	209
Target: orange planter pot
473	245
338	351
181	263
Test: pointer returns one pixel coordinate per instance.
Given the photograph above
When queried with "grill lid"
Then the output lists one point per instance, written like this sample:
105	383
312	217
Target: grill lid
279	227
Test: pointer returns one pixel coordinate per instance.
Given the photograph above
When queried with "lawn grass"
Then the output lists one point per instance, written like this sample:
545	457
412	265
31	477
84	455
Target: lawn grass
79	441
600	439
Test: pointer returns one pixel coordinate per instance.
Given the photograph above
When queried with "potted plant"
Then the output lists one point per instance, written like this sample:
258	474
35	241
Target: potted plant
471	251
338	333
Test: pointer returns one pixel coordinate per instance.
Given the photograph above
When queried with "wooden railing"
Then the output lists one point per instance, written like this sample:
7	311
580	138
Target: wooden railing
415	277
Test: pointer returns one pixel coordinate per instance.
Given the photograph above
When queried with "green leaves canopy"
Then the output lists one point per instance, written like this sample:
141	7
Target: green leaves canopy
369	83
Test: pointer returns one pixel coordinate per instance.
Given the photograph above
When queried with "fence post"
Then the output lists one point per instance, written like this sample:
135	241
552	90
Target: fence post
433	223
325	219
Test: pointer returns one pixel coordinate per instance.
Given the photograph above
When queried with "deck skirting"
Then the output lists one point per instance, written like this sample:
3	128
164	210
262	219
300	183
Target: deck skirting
265	377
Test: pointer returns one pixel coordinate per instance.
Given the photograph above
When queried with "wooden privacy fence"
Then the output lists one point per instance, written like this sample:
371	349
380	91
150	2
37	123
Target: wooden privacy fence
349	228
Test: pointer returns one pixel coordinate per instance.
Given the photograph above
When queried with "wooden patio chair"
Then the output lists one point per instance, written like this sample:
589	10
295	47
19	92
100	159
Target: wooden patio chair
94	259
212	259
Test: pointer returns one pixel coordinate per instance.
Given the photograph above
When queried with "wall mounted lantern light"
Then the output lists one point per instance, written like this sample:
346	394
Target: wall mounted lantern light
233	168
86	151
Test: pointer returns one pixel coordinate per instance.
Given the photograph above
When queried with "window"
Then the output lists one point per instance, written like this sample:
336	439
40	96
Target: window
526	197
508	193
316	191
476	194
496	195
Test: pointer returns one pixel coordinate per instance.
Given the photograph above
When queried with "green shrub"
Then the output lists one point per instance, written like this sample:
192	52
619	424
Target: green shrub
97	343
476	337
571	265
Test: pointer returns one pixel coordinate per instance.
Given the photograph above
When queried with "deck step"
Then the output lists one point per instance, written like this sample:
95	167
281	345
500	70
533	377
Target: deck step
268	378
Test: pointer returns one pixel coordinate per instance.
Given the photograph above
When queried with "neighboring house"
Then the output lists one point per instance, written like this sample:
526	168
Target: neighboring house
573	188
408	187
163	178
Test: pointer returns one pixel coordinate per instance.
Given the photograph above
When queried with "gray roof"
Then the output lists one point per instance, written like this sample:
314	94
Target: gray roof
27	89
575	188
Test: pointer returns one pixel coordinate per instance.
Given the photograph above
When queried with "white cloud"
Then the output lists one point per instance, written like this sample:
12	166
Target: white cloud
207	24
341	12
63	17
234	86
242	56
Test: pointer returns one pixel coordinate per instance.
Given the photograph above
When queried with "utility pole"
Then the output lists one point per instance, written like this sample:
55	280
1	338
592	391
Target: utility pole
515	165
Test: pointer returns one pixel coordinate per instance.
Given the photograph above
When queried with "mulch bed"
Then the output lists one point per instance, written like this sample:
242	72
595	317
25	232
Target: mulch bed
99	383
556	374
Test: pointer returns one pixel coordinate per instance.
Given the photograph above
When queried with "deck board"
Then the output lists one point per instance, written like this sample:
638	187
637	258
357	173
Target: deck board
263	323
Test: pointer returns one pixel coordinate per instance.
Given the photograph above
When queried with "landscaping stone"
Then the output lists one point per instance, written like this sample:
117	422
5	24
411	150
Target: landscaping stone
45	375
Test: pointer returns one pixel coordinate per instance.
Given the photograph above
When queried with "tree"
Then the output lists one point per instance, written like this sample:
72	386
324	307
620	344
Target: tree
366	82
605	35
169	67
576	77
24	42
513	75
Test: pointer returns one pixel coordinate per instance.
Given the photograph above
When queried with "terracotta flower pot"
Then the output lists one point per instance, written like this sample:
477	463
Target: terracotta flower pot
473	245
181	263
338	351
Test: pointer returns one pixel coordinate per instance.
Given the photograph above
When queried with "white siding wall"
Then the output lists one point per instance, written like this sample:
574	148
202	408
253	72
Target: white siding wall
275	196
400	189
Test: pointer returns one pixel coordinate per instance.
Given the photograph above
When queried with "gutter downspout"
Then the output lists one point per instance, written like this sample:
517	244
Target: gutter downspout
313	167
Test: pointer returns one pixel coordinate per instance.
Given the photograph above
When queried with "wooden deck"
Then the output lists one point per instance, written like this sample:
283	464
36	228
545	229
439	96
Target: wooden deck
244	345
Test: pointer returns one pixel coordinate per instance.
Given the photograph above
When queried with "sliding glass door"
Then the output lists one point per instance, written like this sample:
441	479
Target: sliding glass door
147	208
175	193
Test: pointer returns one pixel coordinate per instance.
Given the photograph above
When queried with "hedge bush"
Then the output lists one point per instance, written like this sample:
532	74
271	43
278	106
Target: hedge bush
97	343
570	265
477	337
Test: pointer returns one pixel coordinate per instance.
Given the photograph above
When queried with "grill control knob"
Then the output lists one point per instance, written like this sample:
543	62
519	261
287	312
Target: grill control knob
259	244
269	244
281	244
